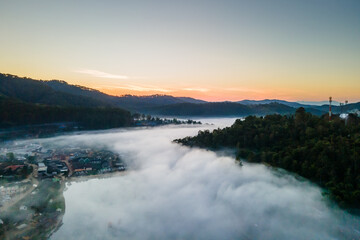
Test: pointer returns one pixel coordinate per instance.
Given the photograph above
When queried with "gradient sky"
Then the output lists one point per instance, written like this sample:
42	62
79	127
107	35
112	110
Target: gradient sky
213	50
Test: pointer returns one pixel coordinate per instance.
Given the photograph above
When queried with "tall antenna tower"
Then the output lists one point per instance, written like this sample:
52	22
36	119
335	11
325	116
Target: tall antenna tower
341	107
330	101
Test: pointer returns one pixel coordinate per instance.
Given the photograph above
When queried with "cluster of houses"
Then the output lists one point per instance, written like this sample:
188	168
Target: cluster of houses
75	162
24	167
55	162
14	171
13	168
50	168
13	161
142	120
94	162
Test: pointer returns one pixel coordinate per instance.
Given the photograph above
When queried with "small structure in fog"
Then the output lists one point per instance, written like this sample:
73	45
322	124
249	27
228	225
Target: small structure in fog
42	168
23	208
22	226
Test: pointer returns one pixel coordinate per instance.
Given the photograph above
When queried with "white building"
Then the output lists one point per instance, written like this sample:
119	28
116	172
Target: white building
23	208
42	168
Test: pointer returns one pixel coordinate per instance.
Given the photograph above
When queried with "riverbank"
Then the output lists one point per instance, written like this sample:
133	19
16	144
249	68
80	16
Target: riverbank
39	212
37	215
69	180
55	129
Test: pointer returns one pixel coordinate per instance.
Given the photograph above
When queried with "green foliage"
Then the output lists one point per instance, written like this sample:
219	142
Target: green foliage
16	174
16	113
327	153
10	156
31	159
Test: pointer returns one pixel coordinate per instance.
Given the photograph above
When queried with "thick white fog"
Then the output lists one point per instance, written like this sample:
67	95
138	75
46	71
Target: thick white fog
174	192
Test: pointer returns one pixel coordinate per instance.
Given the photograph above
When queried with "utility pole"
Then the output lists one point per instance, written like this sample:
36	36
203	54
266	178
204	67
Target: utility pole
330	101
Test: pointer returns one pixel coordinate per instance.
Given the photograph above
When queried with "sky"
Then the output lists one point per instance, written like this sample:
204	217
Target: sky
213	50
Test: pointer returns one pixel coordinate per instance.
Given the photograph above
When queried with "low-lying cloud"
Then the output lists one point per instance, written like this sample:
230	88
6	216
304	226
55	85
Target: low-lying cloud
196	89
174	192
144	88
99	74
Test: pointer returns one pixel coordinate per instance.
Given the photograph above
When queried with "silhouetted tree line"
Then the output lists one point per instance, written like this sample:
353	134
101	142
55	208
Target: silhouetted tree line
219	109
326	152
16	113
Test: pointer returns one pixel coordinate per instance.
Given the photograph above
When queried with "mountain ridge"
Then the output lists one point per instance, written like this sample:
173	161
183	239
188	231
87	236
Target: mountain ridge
61	93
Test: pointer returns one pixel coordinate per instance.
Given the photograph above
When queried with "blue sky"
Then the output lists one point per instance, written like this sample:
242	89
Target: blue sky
215	50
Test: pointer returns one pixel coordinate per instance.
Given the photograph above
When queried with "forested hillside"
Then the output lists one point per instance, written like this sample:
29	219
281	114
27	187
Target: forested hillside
33	91
62	86
17	113
326	152
55	92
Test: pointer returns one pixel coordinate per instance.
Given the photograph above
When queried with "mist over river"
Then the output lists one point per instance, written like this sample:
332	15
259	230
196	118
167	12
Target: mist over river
175	192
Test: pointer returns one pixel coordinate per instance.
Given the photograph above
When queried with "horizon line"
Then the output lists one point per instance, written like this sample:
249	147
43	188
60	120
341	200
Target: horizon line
161	93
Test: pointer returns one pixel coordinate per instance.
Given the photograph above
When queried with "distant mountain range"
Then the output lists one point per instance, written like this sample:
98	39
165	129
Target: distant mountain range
267	101
318	103
219	109
291	104
60	93
134	103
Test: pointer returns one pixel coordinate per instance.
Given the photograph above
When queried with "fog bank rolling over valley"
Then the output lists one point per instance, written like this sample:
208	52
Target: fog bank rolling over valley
175	192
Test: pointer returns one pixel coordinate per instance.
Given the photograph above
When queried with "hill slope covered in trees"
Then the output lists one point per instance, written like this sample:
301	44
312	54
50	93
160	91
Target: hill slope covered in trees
17	113
327	153
56	92
33	91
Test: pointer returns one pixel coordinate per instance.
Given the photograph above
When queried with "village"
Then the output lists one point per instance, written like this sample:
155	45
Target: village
32	180
33	176
18	162
70	162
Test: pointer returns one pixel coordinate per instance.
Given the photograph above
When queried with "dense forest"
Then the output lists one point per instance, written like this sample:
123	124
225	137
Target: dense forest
60	93
326	152
17	113
34	91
